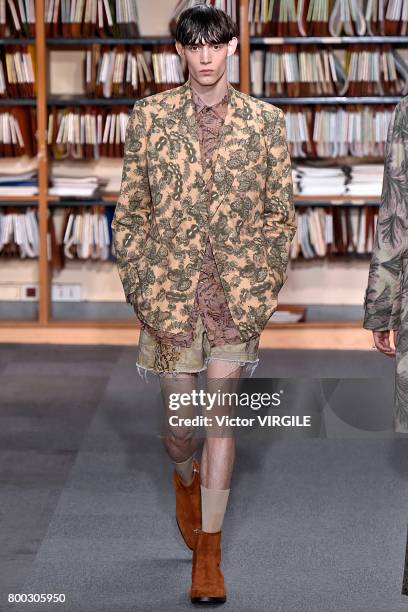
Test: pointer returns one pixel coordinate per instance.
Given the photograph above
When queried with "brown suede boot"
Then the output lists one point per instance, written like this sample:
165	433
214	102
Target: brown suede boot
188	506
207	579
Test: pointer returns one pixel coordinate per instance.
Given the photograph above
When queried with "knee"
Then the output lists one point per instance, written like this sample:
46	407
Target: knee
179	444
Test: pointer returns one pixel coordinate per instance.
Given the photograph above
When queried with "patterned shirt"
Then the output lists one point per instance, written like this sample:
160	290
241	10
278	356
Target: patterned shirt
210	301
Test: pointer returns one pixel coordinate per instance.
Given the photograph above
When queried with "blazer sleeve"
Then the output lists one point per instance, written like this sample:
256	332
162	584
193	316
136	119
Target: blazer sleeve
279	211
131	219
382	300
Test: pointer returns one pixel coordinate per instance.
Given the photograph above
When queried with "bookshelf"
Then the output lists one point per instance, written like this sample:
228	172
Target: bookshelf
45	202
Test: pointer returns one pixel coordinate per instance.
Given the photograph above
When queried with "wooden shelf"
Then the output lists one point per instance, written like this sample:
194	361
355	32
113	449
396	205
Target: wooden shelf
115	324
56	329
17	198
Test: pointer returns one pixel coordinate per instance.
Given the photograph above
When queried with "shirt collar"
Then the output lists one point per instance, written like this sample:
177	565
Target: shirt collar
200	104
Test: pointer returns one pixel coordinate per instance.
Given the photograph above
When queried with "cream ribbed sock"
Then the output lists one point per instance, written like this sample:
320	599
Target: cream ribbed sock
185	470
213	507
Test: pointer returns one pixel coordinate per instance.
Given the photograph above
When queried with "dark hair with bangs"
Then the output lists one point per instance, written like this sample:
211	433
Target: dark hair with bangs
203	22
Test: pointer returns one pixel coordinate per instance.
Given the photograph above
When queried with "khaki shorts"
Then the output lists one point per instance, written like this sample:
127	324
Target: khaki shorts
196	357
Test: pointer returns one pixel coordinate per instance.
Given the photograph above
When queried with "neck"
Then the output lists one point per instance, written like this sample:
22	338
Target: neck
210	94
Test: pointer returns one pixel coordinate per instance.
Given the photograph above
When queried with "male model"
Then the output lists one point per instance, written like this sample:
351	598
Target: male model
202	231
386	305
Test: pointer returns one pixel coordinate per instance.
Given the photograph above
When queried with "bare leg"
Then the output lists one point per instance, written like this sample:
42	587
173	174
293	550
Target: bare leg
180	442
218	455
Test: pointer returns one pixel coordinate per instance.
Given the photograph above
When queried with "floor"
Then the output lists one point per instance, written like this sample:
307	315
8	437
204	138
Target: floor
313	524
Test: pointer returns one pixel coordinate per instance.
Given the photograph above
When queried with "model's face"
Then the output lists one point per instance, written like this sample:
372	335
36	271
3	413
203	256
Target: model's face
207	62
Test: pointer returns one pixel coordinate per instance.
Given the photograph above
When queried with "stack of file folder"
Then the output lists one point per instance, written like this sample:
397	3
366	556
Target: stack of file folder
18	184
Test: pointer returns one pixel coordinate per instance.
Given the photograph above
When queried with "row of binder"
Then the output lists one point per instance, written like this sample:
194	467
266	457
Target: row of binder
76	18
17	74
85	233
94	132
18	126
119	71
80	233
312	71
87	133
284	70
17	18
325	131
327	18
120	18
313	132
19	233
324	232
104	18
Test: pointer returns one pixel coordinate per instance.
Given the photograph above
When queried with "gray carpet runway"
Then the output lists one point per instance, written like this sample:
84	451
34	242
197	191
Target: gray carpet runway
87	506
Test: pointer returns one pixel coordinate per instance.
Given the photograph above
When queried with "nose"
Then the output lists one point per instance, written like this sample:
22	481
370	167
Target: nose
205	55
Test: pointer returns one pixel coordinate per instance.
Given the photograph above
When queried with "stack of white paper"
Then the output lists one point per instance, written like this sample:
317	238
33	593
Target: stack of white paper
108	171
366	180
313	181
75	186
18	184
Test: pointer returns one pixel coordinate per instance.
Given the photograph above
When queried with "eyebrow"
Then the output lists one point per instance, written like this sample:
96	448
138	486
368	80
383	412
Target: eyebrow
195	44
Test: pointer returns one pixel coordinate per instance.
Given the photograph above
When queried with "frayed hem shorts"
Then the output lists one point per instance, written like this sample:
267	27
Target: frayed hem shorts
193	359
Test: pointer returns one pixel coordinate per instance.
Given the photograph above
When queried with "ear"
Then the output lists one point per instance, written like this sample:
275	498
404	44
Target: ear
179	48
232	45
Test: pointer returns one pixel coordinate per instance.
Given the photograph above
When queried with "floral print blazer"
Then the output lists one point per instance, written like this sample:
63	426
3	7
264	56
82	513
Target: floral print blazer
162	219
386	297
